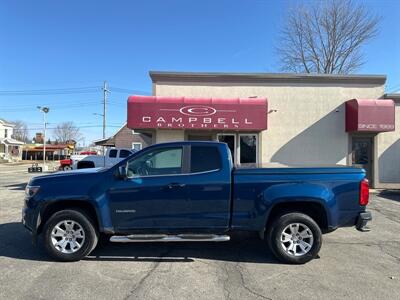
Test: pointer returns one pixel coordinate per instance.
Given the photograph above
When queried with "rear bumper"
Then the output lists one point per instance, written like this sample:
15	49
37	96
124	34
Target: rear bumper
362	220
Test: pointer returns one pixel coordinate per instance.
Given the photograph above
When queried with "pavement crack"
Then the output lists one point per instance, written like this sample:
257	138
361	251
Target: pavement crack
382	249
243	283
226	281
386	213
139	285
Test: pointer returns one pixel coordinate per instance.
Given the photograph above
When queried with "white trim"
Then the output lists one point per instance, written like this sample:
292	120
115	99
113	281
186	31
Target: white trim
137	143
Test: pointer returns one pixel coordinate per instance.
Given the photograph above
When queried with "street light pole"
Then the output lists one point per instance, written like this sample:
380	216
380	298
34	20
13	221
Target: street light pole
45	110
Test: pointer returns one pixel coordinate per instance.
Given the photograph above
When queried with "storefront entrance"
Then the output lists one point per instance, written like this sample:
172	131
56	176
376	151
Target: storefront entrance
230	140
243	146
362	154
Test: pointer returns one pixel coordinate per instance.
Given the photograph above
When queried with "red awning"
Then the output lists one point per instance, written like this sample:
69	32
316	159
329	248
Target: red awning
370	115
197	113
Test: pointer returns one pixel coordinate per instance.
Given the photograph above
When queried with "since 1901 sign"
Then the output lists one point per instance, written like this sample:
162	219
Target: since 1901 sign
197	113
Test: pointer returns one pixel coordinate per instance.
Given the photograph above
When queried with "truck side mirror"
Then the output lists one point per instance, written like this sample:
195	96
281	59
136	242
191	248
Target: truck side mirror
122	173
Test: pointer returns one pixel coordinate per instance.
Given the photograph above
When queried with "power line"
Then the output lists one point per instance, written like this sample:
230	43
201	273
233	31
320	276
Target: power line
127	91
66	91
79	127
64	101
394	88
59	91
54	107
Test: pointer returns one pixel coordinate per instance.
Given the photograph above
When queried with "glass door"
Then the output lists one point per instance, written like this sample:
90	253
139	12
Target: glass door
243	146
362	154
248	148
230	139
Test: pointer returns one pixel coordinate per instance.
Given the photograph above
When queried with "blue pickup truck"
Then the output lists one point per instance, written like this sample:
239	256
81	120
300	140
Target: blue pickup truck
190	191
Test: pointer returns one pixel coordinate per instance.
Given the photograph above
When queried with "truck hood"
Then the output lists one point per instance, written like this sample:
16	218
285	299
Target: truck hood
70	173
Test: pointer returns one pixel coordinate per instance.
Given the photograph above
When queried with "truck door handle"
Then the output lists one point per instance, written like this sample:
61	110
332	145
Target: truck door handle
175	185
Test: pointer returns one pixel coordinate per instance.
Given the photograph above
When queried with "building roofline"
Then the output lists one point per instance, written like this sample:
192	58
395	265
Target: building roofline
5	123
166	76
110	137
393	96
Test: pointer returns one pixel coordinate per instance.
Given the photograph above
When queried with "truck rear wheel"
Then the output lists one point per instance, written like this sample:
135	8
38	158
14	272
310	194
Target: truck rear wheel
69	235
294	238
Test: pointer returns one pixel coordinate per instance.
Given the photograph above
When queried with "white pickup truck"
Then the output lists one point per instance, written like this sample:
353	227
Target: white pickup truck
83	161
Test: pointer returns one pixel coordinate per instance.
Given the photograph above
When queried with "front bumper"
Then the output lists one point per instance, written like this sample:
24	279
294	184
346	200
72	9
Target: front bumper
29	220
362	220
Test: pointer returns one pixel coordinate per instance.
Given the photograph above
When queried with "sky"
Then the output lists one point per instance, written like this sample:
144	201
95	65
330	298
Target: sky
67	49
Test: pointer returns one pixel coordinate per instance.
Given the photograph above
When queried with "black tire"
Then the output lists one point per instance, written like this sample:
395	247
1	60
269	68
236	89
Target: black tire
275	231
90	233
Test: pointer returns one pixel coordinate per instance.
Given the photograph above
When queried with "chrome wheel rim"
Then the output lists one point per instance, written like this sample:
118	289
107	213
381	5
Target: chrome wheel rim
297	239
67	236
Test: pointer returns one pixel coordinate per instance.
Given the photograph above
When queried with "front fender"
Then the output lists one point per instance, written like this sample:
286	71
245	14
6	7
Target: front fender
101	209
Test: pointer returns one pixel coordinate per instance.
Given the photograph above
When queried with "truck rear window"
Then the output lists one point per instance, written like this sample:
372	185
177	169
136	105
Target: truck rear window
204	158
124	153
113	153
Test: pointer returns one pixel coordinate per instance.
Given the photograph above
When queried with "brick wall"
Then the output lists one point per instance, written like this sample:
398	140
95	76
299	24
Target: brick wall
124	138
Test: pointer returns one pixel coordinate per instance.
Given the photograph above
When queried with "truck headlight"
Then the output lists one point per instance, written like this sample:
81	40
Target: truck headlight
31	191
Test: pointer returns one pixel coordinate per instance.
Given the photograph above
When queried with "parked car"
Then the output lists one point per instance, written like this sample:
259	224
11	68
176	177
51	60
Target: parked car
66	164
86	160
190	191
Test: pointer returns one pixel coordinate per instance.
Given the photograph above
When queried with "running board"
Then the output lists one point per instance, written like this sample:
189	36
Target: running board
141	238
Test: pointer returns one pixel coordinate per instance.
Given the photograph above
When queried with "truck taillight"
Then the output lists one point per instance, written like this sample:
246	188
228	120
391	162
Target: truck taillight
364	192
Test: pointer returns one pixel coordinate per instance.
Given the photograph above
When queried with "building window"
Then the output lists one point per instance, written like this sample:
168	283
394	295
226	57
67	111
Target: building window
248	148
137	146
243	146
5	132
230	140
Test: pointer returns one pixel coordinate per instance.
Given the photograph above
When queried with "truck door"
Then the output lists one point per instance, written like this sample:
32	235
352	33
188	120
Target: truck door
209	187
154	195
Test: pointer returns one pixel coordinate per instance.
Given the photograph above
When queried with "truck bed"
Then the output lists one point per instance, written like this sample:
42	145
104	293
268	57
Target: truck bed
277	168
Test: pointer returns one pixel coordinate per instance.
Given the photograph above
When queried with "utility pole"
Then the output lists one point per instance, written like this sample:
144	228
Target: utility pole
105	94
44	110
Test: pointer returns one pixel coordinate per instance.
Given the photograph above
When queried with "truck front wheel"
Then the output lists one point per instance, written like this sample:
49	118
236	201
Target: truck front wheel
294	238
69	235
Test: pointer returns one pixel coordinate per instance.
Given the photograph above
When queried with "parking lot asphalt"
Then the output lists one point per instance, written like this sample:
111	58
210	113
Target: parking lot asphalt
351	265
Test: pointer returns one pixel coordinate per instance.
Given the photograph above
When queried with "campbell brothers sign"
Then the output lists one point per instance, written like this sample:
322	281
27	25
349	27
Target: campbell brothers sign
197	113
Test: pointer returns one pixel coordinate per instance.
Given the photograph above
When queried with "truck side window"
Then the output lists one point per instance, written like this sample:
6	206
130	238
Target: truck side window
204	158
167	161
124	153
113	153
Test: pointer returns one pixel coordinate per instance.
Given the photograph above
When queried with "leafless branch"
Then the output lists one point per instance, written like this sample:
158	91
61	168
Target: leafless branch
20	131
327	38
67	131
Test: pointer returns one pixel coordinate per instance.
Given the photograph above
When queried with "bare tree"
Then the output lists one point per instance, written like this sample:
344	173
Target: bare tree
67	131
20	131
326	38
